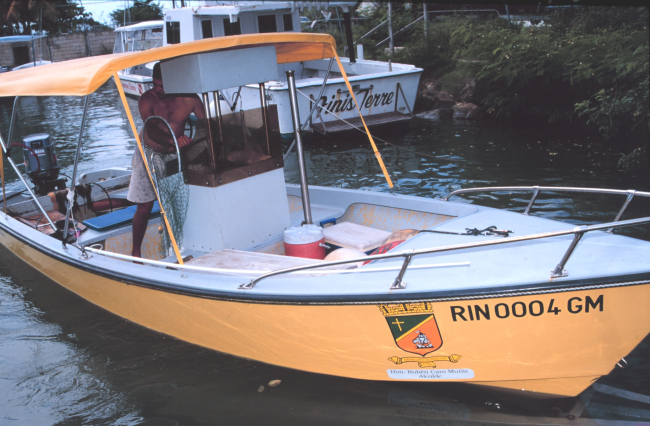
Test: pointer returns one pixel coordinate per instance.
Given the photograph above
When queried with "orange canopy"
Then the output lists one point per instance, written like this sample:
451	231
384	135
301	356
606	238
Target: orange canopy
80	77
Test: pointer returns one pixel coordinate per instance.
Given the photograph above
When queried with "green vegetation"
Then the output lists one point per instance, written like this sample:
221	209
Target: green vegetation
52	16
142	10
587	66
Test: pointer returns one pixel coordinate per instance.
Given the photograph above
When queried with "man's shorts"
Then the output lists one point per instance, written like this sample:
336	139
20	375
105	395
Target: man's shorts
140	188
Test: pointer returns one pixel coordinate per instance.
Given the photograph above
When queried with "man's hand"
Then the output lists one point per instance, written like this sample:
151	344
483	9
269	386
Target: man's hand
183	141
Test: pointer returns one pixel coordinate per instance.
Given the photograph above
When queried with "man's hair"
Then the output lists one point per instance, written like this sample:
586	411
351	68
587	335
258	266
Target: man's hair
156	71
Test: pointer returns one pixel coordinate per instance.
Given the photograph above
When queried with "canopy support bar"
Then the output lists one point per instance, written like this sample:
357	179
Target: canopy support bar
40	207
293	98
314	108
71	192
2	178
118	83
11	126
7	150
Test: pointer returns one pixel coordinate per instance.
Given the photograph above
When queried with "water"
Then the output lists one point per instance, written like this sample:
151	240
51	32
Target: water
64	361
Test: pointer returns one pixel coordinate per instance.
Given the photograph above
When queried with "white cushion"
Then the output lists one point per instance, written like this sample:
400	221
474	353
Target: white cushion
351	235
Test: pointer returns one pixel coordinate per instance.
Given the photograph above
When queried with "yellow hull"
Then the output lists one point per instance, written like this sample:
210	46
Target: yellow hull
555	343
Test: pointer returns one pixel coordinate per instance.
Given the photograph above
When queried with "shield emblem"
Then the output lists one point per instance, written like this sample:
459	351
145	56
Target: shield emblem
413	326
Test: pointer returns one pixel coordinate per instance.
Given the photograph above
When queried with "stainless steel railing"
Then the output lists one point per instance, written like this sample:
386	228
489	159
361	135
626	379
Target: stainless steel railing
630	193
408	255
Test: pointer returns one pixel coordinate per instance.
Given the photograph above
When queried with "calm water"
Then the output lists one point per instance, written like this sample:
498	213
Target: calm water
65	361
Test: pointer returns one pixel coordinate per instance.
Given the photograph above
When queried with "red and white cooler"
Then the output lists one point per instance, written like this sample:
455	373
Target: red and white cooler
306	241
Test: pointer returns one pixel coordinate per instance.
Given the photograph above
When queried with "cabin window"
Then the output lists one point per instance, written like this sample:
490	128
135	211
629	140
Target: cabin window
243	144
173	32
206	28
231	28
267	24
21	55
287	19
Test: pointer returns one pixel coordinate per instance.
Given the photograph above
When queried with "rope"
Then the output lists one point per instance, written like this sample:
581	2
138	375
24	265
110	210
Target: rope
352	126
372	142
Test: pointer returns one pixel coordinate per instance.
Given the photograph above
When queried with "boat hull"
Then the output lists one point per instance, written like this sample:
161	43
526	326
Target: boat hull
549	343
135	85
377	94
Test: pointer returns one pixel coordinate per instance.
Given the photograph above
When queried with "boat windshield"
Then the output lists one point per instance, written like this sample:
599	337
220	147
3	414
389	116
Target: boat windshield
138	40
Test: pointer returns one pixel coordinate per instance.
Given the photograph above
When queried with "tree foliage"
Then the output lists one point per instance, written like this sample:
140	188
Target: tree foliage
585	65
142	10
52	16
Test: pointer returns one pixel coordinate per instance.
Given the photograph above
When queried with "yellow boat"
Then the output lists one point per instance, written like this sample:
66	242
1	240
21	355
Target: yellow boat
546	310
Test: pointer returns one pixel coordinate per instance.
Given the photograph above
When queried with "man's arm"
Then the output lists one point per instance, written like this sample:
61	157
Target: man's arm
197	107
145	105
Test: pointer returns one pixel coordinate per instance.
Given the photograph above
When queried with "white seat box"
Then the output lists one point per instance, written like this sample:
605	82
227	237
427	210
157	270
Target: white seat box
351	235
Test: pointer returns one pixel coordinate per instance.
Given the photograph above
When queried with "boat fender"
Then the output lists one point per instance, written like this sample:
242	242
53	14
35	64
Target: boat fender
344	254
393	240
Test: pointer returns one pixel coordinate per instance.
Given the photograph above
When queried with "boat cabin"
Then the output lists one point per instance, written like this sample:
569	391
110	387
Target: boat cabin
386	91
232	19
137	37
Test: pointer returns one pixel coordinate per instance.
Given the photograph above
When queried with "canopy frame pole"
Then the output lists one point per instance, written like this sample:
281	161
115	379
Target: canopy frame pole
293	98
7	152
2	179
40	207
216	96
120	89
372	141
265	117
313	109
212	151
71	192
390	37
11	126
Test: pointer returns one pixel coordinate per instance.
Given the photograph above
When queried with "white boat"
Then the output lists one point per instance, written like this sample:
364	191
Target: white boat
385	92
134	38
451	292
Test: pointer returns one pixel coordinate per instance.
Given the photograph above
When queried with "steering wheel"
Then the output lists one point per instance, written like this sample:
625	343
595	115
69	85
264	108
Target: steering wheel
159	131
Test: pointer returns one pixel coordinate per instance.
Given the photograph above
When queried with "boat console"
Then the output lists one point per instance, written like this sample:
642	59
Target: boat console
235	171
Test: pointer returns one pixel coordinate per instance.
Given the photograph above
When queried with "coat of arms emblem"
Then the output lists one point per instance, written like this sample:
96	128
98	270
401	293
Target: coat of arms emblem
414	329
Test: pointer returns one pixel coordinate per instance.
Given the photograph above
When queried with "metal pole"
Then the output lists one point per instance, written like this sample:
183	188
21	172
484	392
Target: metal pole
390	36
426	19
314	108
217	109
40	207
265	117
348	35
11	125
338	18
33	51
208	130
71	193
293	98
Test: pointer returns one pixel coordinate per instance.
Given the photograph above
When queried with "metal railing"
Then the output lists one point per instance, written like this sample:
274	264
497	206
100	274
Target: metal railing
630	193
408	255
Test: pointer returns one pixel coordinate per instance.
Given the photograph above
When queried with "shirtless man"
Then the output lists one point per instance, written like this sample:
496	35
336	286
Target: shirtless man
175	109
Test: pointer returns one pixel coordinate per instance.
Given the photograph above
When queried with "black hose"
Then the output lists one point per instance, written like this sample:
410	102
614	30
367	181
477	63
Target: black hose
105	192
38	221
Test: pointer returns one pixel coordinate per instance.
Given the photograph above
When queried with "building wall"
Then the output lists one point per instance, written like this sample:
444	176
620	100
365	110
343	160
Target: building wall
63	47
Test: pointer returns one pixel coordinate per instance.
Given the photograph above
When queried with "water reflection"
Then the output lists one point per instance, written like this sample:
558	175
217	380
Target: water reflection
65	361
